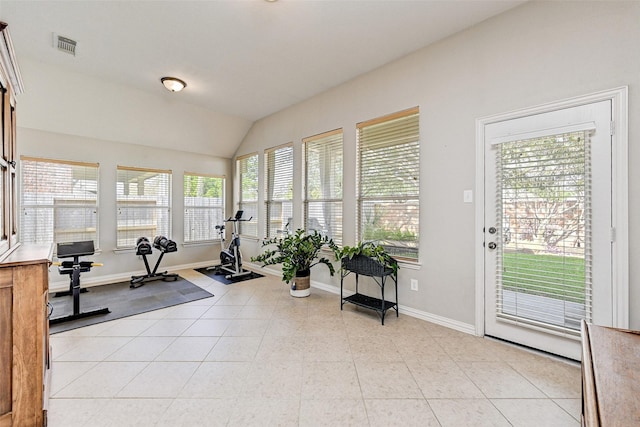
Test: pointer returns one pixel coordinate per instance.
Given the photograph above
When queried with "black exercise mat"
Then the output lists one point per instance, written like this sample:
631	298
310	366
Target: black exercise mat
124	301
221	277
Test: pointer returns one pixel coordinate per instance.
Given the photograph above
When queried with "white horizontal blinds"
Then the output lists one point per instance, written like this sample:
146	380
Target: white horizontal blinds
143	204
59	201
323	184
279	199
203	206
248	200
389	183
544	263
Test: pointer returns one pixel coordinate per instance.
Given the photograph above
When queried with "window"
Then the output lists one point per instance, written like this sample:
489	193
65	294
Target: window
544	200
388	182
248	200
59	201
10	86
8	227
143	204
323	184
203	206
279	199
5	164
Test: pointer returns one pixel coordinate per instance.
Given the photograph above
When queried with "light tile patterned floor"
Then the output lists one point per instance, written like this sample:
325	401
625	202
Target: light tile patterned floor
254	356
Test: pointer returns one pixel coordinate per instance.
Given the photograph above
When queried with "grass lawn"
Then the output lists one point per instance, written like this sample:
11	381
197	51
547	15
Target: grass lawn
550	275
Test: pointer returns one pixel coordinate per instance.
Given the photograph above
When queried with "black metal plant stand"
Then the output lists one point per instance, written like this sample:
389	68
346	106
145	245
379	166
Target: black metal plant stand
363	265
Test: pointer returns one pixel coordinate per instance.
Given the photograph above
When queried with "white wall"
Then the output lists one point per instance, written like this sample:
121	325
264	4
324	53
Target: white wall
534	54
109	154
70	116
57	100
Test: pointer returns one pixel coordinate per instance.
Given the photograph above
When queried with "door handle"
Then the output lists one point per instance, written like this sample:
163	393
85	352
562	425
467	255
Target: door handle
492	245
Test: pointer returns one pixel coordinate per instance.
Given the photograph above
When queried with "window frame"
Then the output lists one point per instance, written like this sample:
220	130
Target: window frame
250	206
86	229
215	237
274	169
143	205
380	141
327	139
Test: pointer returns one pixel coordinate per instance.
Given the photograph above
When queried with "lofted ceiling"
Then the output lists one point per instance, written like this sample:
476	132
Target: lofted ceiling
246	58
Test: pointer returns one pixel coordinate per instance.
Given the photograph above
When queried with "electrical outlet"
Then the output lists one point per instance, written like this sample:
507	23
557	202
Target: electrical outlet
414	285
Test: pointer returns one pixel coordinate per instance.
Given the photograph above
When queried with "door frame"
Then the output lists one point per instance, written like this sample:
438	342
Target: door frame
619	200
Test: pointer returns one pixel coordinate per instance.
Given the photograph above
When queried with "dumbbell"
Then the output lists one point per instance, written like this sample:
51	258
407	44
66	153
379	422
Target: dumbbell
143	247
164	244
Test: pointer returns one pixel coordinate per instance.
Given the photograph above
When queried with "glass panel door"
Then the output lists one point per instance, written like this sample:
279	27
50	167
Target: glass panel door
548	226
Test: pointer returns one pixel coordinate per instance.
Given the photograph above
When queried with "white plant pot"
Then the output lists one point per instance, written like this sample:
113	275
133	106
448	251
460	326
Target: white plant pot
301	287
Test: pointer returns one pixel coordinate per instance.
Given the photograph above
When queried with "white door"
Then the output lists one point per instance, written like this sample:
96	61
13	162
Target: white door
548	226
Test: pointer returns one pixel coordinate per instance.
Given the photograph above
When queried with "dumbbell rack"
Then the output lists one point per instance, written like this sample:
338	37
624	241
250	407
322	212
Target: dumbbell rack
143	248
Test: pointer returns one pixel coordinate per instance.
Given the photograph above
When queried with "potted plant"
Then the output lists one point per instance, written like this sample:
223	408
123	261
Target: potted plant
297	252
367	258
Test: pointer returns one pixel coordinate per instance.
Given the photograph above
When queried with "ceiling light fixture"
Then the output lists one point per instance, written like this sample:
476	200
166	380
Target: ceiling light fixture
173	84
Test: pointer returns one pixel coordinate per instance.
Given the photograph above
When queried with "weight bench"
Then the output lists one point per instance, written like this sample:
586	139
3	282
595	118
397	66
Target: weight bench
73	268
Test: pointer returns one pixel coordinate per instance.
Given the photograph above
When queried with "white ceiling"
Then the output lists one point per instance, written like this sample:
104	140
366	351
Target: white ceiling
247	58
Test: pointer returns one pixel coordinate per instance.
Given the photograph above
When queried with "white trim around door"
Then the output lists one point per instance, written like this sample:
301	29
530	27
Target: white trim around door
619	233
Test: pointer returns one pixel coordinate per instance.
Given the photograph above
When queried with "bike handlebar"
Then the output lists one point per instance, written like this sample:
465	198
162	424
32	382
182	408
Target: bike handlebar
239	219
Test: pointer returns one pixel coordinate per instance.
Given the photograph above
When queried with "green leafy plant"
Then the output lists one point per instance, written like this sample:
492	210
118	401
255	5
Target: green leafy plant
297	252
368	249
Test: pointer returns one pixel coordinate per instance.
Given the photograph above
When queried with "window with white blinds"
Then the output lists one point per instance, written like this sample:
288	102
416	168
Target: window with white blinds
247	173
8	181
59	201
203	206
323	184
544	265
389	182
279	188
143	204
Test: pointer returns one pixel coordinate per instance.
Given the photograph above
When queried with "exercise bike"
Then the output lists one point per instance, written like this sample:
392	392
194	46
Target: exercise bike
231	257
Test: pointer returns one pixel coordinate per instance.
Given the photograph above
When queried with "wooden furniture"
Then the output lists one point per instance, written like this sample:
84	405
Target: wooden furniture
363	265
610	376
10	86
24	336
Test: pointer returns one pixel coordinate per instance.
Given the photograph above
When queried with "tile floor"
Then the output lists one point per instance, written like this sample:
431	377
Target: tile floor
254	356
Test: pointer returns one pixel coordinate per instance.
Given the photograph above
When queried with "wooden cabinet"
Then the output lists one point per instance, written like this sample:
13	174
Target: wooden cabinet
24	336
610	376
24	277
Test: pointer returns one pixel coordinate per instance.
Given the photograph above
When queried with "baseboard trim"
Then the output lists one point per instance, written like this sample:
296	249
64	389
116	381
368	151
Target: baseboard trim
62	285
409	311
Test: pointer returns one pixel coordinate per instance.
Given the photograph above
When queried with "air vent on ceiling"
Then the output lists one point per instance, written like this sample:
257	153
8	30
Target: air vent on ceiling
65	44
